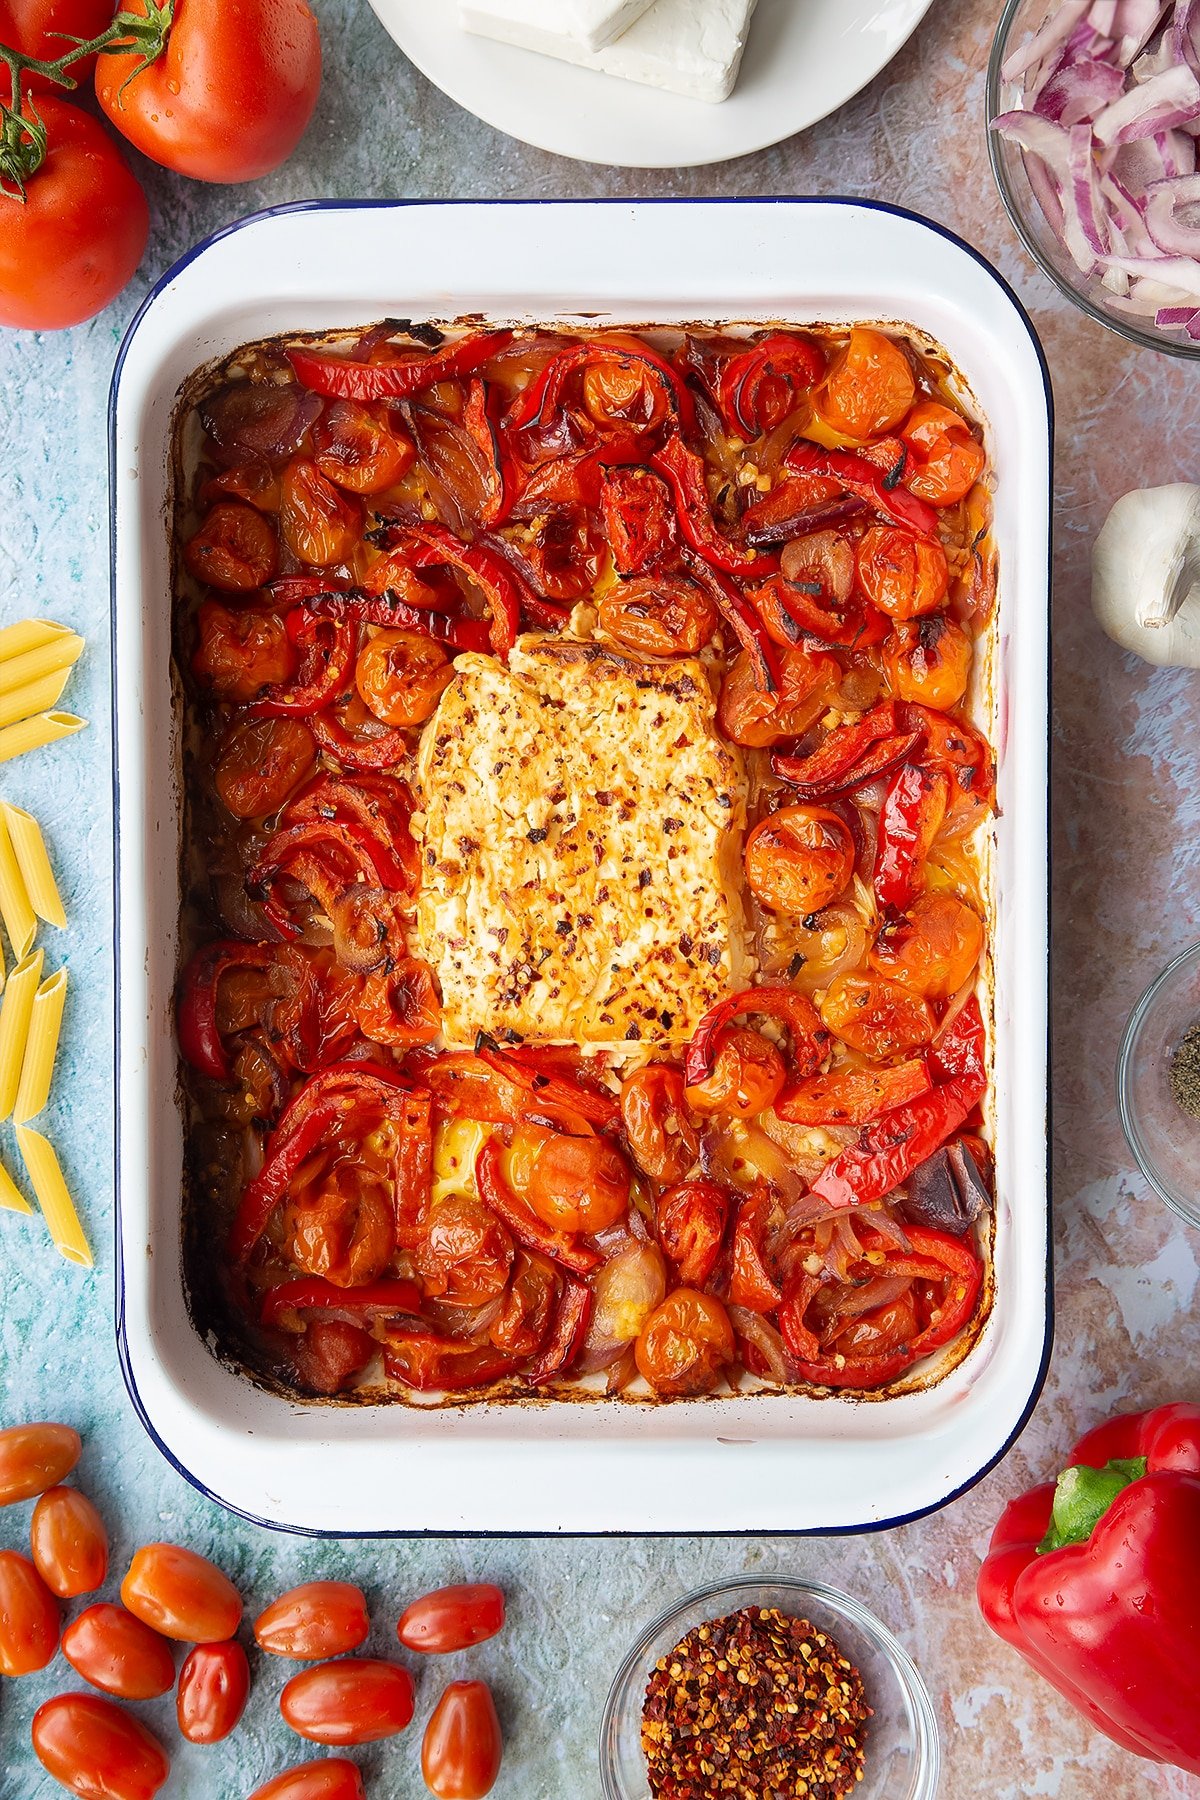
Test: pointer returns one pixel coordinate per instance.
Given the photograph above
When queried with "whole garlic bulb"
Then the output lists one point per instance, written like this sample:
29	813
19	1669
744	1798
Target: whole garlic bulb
1146	574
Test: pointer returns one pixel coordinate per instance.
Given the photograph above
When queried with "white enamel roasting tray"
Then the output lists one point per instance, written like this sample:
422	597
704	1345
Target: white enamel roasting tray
741	1464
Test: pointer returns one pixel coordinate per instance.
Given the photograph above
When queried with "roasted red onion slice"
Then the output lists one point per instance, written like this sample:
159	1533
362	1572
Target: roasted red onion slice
257	418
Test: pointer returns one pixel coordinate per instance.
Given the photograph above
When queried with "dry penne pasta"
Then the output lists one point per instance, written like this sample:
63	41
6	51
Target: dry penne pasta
33	697
16	1010
16	909
30	634
31	734
11	1197
41	1047
53	1196
29	848
44	659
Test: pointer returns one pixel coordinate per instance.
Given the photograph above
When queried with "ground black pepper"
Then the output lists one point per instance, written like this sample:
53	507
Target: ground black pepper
756	1706
1185	1072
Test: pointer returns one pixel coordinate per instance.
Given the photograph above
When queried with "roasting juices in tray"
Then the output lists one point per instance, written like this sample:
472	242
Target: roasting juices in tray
585	975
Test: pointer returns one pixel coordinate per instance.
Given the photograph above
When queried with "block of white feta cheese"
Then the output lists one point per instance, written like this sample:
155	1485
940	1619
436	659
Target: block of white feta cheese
548	25
690	47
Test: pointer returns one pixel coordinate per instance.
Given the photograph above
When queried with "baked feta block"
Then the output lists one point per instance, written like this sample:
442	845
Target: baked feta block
582	845
548	25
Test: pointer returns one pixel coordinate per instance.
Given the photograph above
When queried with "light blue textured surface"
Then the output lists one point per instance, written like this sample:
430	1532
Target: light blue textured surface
916	137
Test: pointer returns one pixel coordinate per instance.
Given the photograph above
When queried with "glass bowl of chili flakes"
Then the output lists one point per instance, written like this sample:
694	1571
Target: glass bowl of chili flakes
768	1638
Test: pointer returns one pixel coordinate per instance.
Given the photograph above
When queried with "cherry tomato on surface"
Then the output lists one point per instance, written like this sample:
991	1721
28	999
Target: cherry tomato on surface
876	1016
870	387
452	1618
331	1778
356	451
181	1594
118	1654
757	719
659	617
934	950
214	1685
355	1701
662	1138
690	1220
78	236
685	1344
466	1253
900	573
261	763
240	653
331	1354
799	859
946	459
97	1750
29	1621
929	661
463	1747
234	550
318	523
578	1184
343	1227
315	1620
69	1543
34	1458
401	675
229	98
43	28
746	1075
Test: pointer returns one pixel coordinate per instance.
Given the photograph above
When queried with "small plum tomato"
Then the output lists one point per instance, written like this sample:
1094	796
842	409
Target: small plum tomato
878	1017
902	574
691	1220
260	763
356	1700
235	549
661	1137
315	1620
118	1654
463	1747
69	1543
354	450
934	949
452	1618
870	387
945	458
238	654
929	661
34	1458
318	523
578	1184
181	1594
400	676
29	1621
330	1778
214	1686
98	1750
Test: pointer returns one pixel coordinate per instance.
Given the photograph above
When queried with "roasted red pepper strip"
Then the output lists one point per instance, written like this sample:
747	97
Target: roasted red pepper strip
383	749
379	803
751	1282
685	473
568	1328
866	481
743	621
414	1166
480	1090
291	590
852	1096
803	619
459	630
432	1364
477	421
759	388
328	856
546	1088
639	518
889	1149
544	396
524	1224
196	1005
313	1294
826	769
327	651
1092	1580
909	820
829	1368
339	379
810	1040
881	759
432	546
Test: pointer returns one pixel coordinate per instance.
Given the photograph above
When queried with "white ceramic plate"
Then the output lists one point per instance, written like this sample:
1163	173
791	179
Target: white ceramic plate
742	1463
804	59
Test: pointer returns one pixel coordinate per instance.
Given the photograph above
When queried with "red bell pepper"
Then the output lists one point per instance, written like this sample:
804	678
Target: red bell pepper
685	474
744	622
827	769
794	613
909	820
459	629
639	518
379	803
810	1040
406	374
690	1220
431	1363
480	427
752	1283
759	388
524	1224
568	1329
311	1293
384	749
327	651
865	480
890	1148
328	856
852	1096
196	1005
1093	1580
432	547
544	396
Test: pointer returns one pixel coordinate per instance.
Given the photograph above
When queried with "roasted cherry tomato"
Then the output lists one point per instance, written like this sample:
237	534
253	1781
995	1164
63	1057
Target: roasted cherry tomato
315	1620
241	653
690	1220
343	1227
934	950
214	1685
463	1747
34	1458
69	1543
578	1184
686	1344
261	763
824	560
662	1138
318	523
118	1654
870	387
77	237
929	661
639	519
399	1004
945	458
660	616
181	1594
900	573
622	391
876	1016
355	1701
401	675
331	1354
757	719
234	550
746	1075
29	1621
332	1778
799	859
355	451
97	1750
466	1254
452	1618
229	98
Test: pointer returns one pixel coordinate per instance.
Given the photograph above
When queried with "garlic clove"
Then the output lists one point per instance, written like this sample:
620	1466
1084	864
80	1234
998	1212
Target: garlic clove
1146	574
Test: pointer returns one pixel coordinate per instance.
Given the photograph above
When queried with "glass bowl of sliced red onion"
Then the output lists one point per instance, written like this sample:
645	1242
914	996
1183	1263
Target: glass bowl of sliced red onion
1094	113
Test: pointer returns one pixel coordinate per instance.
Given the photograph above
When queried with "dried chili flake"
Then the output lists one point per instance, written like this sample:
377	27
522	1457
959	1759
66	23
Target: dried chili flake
758	1706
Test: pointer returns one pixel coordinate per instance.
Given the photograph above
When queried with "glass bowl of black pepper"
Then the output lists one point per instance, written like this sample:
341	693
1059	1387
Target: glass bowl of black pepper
761	1686
1158	1084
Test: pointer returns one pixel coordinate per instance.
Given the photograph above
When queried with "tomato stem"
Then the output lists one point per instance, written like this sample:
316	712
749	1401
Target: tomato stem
23	137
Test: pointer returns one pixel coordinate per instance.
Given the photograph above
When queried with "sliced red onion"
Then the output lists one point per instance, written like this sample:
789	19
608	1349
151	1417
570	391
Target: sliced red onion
1170	216
1169	318
1077	92
1047	39
1159	104
1134	23
1185	34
